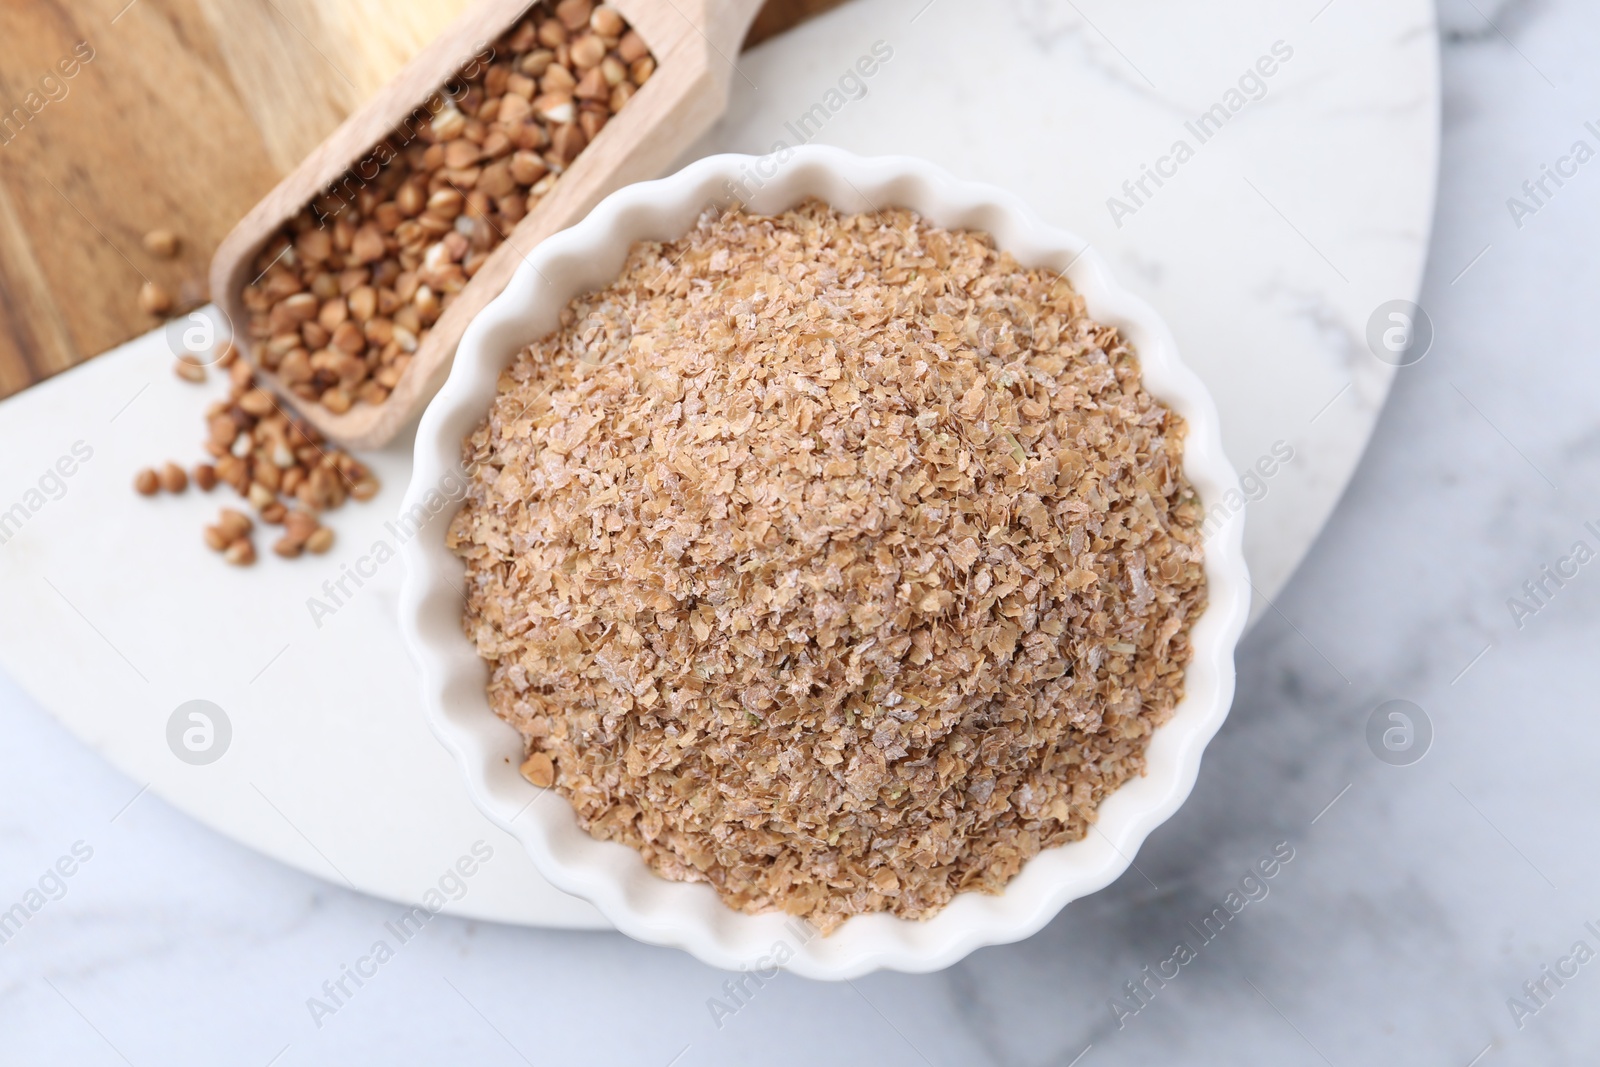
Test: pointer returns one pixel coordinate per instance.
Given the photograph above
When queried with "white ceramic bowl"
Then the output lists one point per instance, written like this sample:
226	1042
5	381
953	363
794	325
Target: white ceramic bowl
612	876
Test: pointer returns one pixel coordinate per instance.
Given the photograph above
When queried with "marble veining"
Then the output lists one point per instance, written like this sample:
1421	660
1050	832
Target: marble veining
1419	902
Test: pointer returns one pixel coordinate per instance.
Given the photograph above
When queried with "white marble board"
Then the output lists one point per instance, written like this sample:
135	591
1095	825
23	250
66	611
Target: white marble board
1267	250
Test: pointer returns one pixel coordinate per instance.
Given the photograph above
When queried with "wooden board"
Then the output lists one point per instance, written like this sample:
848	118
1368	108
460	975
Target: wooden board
176	114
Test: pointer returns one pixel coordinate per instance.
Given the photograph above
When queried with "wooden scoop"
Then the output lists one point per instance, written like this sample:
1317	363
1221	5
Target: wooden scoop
694	42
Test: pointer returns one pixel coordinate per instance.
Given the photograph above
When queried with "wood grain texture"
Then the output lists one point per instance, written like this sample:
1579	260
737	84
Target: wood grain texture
187	114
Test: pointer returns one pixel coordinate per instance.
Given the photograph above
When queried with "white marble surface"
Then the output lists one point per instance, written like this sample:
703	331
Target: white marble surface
1414	907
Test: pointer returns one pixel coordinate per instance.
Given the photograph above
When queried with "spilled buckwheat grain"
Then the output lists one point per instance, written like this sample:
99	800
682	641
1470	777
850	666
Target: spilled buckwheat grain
280	464
835	560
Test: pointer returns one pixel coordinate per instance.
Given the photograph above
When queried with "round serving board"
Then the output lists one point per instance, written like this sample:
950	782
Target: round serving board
1295	147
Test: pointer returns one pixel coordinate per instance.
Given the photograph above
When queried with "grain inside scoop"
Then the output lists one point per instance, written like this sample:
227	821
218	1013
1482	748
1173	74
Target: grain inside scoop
596	97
